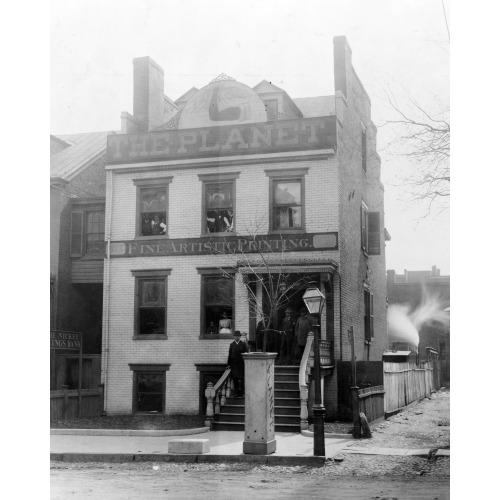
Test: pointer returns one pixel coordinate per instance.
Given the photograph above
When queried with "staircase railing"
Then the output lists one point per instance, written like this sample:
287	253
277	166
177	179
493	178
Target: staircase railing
304	373
306	363
216	396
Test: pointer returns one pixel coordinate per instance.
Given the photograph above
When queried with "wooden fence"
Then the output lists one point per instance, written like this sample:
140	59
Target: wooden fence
405	383
371	402
64	403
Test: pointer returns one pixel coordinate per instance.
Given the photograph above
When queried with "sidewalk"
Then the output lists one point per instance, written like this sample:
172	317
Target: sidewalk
225	446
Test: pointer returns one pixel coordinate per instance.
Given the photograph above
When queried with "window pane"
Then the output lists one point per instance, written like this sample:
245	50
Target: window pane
150	382
152	293
287	217
287	193
151	321
153	200
219	221
219	195
219	291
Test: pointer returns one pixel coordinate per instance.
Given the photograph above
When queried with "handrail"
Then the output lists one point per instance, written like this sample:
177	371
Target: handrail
304	362
216	396
223	378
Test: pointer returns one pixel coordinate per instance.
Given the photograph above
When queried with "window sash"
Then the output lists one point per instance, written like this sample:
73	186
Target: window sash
212	306
152	209
151	306
287	212
218	214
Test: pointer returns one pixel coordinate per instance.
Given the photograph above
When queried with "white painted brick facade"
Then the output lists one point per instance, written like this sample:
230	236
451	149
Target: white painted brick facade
183	347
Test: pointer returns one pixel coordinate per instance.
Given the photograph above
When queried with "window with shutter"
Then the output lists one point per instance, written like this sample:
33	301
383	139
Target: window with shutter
363	150
373	223
364	229
76	243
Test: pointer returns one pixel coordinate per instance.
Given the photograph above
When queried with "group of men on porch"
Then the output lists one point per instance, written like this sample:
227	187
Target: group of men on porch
289	343
290	340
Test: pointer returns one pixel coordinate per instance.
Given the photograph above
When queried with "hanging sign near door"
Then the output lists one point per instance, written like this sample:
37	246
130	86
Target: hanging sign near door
65	340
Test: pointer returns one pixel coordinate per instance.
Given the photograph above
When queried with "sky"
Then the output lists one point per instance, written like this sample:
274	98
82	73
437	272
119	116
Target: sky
399	46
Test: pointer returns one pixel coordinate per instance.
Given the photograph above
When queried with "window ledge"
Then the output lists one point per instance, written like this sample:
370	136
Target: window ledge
218	235
288	231
152	237
216	336
152	336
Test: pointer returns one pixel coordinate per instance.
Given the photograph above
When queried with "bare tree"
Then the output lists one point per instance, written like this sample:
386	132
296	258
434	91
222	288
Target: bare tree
424	139
267	269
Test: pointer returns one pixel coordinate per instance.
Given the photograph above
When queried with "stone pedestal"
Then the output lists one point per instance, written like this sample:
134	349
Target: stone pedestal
259	403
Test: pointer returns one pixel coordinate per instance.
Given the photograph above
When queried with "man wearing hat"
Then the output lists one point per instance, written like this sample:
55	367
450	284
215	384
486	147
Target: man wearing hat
236	363
287	333
304	325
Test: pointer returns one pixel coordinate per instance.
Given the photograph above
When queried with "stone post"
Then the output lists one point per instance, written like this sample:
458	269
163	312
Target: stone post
259	403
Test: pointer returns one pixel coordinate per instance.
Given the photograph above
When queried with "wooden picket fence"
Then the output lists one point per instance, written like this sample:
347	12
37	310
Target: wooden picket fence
64	403
371	402
405	383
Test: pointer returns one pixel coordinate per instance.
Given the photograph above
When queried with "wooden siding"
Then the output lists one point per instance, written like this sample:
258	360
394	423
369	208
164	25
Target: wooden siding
87	271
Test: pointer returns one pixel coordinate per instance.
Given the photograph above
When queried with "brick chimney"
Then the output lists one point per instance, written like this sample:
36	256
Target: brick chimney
148	93
342	63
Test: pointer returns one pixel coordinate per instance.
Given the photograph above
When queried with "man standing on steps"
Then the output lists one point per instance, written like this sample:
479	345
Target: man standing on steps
303	326
237	364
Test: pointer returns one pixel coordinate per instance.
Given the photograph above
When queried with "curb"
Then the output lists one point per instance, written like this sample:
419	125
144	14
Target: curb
328	435
311	461
129	432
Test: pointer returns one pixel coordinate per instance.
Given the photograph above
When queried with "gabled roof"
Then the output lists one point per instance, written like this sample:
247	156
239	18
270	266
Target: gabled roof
83	149
186	96
316	106
265	87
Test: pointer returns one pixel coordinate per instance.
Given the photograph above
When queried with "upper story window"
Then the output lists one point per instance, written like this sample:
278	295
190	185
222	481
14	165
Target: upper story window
151	303
87	229
152	206
370	231
218	204
287	200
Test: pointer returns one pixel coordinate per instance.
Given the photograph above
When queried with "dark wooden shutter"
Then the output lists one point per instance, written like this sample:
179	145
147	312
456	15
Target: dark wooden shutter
363	230
373	233
372	331
76	242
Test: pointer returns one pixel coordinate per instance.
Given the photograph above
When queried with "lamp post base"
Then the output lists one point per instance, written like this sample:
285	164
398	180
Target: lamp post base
319	430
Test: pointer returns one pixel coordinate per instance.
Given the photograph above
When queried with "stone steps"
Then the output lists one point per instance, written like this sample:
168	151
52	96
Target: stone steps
286	404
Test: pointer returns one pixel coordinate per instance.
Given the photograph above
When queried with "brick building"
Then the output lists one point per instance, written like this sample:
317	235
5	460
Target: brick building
77	203
410	288
188	181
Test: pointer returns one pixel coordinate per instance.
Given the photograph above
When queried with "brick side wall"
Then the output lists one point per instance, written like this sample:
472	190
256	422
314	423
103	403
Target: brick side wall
354	187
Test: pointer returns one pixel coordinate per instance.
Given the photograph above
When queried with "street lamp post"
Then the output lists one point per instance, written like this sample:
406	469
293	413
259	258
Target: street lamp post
315	301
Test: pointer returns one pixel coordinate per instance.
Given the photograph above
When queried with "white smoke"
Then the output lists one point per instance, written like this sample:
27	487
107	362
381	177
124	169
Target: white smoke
404	324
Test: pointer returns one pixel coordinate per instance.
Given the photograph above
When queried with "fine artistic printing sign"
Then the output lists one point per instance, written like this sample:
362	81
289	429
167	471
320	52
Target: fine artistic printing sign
217	141
231	244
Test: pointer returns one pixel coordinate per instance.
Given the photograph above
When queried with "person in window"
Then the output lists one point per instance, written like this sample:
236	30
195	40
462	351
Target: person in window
221	222
157	226
146	226
163	226
225	324
212	329
236	363
303	326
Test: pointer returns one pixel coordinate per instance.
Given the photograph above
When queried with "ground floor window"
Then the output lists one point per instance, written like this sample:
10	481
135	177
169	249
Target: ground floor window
149	388
217	303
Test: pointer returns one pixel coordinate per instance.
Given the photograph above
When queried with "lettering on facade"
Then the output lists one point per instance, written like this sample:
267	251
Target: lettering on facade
65	340
228	245
248	138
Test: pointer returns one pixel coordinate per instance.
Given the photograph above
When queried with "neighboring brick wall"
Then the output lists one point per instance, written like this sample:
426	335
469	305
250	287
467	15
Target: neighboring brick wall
72	303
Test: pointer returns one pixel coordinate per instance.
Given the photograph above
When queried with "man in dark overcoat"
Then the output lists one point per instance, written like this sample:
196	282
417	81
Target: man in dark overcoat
304	325
236	363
